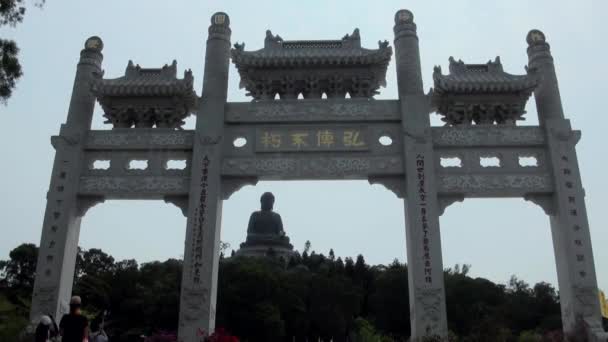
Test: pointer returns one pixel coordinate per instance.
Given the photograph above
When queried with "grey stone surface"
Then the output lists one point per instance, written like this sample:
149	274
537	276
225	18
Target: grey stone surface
315	110
236	144
61	225
201	256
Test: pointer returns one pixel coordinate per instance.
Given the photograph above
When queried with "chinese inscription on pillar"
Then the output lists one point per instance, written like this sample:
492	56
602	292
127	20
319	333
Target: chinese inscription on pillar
422	205
199	224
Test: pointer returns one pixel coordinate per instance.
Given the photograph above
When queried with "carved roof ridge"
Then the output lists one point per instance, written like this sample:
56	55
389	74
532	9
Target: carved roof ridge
312	67
488	77
276	47
138	81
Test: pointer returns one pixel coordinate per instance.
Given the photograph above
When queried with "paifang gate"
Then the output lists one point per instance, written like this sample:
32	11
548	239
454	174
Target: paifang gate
313	116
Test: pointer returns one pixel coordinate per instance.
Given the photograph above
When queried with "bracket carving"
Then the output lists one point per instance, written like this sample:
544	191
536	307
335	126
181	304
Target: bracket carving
69	140
394	184
445	201
179	201
230	185
84	203
545	201
566	135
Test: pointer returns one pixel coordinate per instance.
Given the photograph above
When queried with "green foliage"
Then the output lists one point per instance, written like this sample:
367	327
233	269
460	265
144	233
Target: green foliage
365	332
13	319
19	272
11	13
309	297
529	336
10	69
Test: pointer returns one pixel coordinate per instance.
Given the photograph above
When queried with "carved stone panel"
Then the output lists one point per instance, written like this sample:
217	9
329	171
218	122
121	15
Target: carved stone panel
487	136
140	139
313	167
134	187
473	185
314	110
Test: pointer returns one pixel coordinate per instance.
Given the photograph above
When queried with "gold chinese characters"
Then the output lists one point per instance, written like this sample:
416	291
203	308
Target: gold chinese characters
312	140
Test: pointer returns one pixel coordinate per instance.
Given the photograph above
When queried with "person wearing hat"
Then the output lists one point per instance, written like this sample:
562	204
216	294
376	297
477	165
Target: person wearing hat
46	329
74	326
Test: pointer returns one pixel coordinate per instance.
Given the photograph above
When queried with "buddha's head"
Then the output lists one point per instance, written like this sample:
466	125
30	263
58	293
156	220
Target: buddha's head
267	201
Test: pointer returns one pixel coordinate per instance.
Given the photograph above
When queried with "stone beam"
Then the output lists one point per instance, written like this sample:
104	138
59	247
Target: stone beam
318	167
141	138
313	110
133	187
479	136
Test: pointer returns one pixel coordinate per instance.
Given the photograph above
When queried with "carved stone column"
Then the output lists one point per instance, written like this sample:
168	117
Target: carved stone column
546	94
61	226
407	54
581	312
201	256
424	260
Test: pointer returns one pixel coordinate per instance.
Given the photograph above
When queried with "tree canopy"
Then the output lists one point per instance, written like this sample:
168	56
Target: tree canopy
310	297
12	13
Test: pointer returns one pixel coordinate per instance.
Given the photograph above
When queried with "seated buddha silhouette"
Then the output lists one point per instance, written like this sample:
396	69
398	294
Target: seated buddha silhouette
265	230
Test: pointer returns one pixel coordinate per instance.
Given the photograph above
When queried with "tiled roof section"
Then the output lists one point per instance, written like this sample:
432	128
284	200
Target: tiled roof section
481	78
277	52
139	81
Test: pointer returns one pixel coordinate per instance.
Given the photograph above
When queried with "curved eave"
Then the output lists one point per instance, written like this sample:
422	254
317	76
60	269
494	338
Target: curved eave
266	58
496	84
179	88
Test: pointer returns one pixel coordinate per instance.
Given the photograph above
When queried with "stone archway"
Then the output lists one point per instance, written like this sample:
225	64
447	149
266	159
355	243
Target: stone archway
316	138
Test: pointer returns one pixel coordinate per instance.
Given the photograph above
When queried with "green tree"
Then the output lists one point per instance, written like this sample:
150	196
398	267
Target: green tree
389	301
11	14
20	270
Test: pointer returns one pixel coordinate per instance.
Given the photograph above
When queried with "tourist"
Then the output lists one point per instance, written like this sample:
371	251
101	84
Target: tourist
74	326
46	330
97	333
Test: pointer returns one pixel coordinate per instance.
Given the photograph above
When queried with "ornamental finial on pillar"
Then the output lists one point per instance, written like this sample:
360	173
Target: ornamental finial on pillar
94	44
539	51
220	27
404	17
221	19
404	24
535	37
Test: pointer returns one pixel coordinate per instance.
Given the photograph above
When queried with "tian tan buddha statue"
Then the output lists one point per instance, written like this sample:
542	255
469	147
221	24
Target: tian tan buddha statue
265	234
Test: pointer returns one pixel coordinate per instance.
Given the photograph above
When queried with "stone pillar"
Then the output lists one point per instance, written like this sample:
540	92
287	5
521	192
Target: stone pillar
61	226
540	61
424	260
407	54
581	312
201	256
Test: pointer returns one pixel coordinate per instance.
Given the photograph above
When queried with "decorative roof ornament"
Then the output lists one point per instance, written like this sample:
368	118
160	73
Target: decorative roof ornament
146	97
312	68
481	93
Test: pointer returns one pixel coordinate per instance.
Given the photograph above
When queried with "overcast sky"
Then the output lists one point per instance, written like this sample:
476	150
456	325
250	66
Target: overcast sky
498	237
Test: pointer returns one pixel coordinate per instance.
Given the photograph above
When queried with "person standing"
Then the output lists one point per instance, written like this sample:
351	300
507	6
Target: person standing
97	332
46	329
74	326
